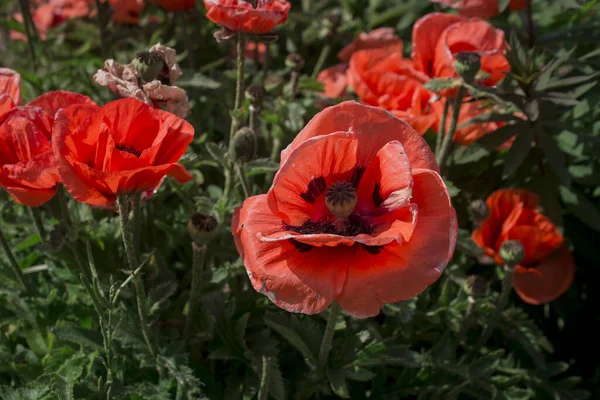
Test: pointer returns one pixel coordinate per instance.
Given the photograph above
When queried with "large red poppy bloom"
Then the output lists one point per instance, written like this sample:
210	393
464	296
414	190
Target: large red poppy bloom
481	8
437	38
547	270
240	15
175	5
396	240
123	148
27	166
10	90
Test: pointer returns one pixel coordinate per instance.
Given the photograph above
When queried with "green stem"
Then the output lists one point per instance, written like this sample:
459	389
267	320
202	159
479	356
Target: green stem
64	208
137	222
467	319
199	253
34	212
243	180
128	241
101	28
263	392
12	261
322	58
239	89
500	306
334	311
29	29
294	84
442	127
530	27
254	118
446	148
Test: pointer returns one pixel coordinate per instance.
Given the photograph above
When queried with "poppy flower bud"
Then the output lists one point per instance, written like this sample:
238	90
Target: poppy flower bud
512	252
341	199
256	94
148	65
243	145
295	62
479	211
202	228
467	64
273	83
477	285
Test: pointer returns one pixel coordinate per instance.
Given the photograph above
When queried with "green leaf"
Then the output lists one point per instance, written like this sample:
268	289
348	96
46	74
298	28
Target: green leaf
276	386
199	81
338	384
544	78
490	117
381	353
32	391
219	153
260	166
555	157
82	337
307	83
36	342
65	379
581	207
503	5
495	139
518	153
469	154
159	294
439	84
574	80
293	338
485	365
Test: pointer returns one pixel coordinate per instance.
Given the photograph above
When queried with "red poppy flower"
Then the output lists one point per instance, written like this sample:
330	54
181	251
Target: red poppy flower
547	270
175	5
127	11
10	90
334	81
386	80
27	165
438	37
481	8
357	214
382	38
124	147
242	16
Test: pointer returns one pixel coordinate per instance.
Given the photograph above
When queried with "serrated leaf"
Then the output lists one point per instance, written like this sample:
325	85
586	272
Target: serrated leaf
555	157
495	139
489	117
260	166
217	152
32	391
159	294
294	339
518	152
439	84
469	154
571	81
466	244
240	327
36	342
581	207
337	381
544	77
83	337
381	353
485	365
276	386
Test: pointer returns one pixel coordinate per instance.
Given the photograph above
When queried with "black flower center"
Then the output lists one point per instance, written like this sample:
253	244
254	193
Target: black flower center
128	149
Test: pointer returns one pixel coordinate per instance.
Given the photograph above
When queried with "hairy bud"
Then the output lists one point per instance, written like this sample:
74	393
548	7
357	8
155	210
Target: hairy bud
243	145
512	252
467	65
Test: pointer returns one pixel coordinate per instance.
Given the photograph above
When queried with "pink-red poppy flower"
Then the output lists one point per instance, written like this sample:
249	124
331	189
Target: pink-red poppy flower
481	8
27	165
10	90
242	16
123	148
127	11
548	269
175	5
357	214
437	38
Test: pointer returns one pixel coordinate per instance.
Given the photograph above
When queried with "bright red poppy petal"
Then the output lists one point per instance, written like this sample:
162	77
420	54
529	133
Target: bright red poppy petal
387	182
53	102
324	159
425	35
150	177
381	38
402	271
550	278
295	280
10	85
373	128
334	81
30	197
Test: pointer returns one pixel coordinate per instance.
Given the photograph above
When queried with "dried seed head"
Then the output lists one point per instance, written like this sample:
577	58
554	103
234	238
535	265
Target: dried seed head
256	94
341	199
148	65
202	228
512	252
243	145
479	211
467	65
295	62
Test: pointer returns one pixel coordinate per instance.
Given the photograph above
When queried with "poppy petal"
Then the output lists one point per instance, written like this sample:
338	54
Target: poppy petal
401	271
10	85
295	278
548	280
53	102
373	127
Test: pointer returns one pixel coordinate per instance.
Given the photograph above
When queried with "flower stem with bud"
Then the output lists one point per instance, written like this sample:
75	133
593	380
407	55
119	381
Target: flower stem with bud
446	147
123	203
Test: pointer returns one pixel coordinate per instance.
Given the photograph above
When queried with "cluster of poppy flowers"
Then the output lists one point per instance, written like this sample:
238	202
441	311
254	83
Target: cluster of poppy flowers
376	70
357	213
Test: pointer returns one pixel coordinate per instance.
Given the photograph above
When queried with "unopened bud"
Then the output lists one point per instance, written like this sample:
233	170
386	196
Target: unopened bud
467	64
202	228
479	211
512	252
273	84
243	145
256	94
295	62
148	65
477	285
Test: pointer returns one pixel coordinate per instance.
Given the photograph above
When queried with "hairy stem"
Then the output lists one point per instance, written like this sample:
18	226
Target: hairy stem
243	180
239	88
263	392
30	29
199	253
137	223
132	259
530	27
320	61
12	261
102	28
328	338
442	127
446	148
34	212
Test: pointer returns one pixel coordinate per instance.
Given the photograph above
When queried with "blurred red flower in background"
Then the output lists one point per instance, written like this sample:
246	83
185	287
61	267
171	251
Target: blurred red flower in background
10	90
481	8
175	5
123	148
242	16
548	269
127	11
357	214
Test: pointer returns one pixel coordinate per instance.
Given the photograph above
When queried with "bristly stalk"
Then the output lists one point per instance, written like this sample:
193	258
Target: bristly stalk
239	89
446	149
442	127
102	28
30	30
263	391
327	341
12	261
322	58
243	179
123	203
199	253
34	212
